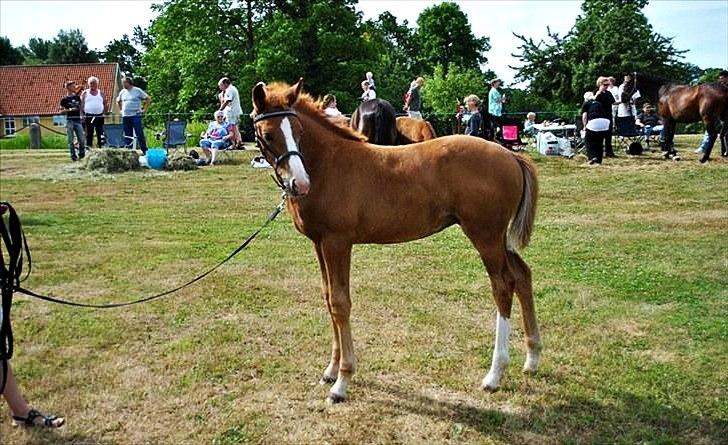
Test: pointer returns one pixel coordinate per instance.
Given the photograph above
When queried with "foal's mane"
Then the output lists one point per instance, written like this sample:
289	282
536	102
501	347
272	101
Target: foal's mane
277	95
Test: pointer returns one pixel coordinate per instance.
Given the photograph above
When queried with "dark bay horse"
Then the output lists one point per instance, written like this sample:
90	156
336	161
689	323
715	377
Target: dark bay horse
375	119
351	192
411	130
707	103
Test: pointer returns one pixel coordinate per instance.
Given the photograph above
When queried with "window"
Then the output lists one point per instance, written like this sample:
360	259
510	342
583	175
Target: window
59	121
27	120
9	126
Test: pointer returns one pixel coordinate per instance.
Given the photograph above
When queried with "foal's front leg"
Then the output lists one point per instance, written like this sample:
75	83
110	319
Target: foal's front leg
332	370
337	257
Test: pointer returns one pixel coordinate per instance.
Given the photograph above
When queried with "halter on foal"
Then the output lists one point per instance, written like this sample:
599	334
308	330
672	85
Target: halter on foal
361	193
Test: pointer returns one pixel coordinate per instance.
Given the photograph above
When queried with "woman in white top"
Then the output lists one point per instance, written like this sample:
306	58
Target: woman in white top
329	106
93	107
368	93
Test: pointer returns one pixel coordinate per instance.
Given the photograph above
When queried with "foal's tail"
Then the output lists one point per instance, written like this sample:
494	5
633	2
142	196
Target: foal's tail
519	233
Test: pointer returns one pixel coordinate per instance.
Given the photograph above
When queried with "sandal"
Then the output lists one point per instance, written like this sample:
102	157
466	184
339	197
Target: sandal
48	421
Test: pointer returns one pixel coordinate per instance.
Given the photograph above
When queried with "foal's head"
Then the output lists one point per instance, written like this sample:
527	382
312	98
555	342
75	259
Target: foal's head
279	132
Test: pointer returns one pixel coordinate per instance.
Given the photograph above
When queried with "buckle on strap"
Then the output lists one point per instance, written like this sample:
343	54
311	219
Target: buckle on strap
263	116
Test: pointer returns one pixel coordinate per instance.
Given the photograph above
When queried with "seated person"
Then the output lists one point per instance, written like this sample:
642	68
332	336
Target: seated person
529	123
329	106
216	137
649	121
475	121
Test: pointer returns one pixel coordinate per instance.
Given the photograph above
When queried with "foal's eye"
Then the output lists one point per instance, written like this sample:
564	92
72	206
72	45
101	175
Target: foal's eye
268	137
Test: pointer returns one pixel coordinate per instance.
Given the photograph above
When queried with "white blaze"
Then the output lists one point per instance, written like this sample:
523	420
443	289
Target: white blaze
294	162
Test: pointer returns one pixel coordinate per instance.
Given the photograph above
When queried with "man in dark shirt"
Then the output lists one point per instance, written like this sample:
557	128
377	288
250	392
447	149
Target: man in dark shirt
71	107
649	121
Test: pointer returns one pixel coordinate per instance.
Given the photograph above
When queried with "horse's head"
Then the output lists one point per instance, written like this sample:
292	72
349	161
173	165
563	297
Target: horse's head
279	132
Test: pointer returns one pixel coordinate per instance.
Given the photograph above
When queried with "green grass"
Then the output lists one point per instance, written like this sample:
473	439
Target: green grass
50	140
630	277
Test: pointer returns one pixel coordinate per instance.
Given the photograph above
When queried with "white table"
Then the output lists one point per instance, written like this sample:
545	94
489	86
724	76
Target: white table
567	130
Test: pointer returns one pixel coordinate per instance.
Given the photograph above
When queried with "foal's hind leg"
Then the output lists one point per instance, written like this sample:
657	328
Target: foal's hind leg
493	254
524	291
332	370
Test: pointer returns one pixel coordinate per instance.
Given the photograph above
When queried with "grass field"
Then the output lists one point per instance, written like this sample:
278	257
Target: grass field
630	269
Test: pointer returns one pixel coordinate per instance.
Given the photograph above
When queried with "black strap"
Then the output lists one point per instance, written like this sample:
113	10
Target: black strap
15	243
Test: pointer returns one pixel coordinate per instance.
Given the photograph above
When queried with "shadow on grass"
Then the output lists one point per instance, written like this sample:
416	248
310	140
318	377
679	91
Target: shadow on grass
57	437
630	419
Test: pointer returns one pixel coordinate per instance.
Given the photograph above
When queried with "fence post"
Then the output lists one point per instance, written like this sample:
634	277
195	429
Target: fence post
34	132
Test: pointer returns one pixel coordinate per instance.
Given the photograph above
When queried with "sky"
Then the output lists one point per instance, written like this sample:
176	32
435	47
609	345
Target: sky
683	20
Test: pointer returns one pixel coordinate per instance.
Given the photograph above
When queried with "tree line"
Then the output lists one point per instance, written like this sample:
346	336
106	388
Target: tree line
192	43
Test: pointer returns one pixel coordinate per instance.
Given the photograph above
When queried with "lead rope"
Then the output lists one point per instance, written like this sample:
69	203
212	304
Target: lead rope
15	243
13	239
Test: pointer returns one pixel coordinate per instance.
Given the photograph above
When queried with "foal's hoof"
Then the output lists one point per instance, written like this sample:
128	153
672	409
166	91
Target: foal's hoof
334	399
326	380
530	371
489	387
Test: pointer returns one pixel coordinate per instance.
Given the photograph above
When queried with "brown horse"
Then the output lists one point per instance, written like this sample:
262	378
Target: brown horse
351	192
683	103
411	130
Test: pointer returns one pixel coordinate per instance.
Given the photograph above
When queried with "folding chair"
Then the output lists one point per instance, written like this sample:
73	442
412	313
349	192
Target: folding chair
578	143
114	136
627	131
510	137
174	135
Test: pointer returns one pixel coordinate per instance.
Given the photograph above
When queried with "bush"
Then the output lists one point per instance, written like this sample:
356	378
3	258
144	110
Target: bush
112	160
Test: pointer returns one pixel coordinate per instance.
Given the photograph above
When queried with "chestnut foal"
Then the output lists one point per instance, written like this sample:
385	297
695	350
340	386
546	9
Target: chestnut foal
344	191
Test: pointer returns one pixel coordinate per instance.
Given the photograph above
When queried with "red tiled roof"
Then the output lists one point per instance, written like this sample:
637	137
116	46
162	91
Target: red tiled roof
36	90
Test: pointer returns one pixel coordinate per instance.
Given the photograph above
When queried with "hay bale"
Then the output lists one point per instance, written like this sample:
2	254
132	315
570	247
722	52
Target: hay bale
180	161
112	160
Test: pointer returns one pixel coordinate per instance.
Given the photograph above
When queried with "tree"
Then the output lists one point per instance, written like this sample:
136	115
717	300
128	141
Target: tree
396	61
9	55
562	68
443	89
123	52
70	47
445	38
67	47
36	53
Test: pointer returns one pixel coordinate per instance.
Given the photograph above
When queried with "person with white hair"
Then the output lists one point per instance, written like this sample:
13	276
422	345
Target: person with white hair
230	105
94	105
216	137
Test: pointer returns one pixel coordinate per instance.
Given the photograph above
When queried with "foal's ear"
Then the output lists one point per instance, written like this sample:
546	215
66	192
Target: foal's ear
259	97
294	92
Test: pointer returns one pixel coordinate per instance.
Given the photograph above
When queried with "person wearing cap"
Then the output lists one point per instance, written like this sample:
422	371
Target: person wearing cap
495	102
71	107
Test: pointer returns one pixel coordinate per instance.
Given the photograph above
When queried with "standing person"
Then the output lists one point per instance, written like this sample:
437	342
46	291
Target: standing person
495	103
474	126
614	90
71	107
93	104
370	79
414	105
133	102
230	105
628	93
596	116
21	412
368	93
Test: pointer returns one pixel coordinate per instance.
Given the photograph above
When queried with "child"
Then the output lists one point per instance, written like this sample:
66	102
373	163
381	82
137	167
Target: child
530	122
